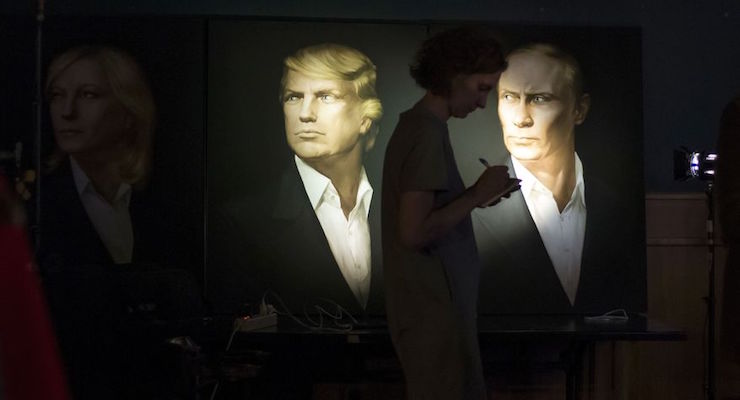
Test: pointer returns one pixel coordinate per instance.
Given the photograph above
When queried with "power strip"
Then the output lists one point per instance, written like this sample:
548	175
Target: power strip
254	322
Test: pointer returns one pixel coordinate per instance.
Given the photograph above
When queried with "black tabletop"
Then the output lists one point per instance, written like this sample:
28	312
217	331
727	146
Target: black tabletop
498	327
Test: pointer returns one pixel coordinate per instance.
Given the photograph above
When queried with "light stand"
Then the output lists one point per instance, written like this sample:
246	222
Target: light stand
686	165
710	383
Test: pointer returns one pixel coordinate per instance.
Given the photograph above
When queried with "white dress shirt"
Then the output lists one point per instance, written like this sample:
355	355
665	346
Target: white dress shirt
562	232
348	237
112	220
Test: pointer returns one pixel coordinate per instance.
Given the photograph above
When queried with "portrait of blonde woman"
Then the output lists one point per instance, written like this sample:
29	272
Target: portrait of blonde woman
102	114
94	225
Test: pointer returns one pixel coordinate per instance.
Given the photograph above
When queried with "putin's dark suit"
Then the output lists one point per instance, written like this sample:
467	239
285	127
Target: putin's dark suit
518	277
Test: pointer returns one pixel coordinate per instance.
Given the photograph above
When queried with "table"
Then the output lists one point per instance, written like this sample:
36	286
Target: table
577	337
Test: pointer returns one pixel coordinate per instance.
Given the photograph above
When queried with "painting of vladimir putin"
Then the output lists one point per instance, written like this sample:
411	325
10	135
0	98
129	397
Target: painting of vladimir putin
555	245
311	238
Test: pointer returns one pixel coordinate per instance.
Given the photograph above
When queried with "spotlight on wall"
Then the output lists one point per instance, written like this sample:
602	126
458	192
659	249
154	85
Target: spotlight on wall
689	164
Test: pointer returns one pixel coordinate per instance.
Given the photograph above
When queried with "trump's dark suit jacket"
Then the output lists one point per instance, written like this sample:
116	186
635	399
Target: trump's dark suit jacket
275	241
517	275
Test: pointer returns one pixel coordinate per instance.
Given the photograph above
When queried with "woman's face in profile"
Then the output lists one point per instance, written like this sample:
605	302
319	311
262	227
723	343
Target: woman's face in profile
86	116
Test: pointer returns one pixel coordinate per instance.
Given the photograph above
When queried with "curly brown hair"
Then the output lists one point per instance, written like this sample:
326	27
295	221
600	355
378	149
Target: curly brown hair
461	51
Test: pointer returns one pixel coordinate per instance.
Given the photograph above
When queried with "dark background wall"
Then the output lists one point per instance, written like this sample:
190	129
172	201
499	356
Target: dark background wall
691	50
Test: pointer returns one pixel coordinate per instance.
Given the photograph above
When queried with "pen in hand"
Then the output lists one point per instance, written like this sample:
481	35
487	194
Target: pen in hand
513	185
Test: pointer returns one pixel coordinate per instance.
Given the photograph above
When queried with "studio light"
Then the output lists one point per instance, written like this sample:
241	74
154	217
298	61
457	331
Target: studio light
694	164
689	164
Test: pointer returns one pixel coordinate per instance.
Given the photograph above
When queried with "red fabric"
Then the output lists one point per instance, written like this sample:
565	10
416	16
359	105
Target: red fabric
29	359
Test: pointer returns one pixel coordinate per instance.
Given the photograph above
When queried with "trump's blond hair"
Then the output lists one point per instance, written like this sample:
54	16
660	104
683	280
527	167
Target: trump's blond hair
341	63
